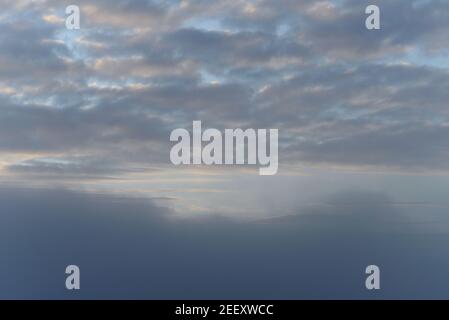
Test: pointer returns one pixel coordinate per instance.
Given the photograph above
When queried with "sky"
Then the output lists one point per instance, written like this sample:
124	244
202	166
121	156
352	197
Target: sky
86	178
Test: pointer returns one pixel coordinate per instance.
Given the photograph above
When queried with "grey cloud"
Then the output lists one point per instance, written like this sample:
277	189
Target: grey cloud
400	147
27	50
216	49
41	128
371	115
77	167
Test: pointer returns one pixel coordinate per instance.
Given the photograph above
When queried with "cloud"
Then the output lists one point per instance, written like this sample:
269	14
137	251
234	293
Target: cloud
138	69
70	166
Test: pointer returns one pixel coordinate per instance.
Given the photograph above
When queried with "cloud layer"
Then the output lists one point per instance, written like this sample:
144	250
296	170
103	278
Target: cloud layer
341	95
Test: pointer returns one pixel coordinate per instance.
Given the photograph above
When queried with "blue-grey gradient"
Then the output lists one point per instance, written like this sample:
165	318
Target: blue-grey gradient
128	248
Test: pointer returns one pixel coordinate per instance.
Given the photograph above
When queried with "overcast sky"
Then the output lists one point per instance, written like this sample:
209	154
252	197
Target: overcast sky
85	121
